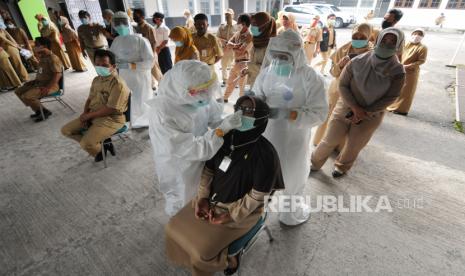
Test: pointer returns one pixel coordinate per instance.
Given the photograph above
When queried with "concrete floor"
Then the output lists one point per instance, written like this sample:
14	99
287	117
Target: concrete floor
63	214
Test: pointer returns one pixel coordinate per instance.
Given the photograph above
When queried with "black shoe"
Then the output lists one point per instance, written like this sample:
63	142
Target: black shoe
400	113
47	114
223	84
231	271
337	174
98	157
108	146
35	115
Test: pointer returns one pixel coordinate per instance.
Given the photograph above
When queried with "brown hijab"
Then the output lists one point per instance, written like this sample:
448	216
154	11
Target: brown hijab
267	27
188	50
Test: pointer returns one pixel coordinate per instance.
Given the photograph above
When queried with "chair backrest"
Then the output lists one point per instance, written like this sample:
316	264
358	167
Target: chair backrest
127	113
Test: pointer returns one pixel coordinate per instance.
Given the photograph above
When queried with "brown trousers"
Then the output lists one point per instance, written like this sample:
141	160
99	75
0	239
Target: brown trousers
226	61
58	51
8	76
324	60
309	49
338	129
30	94
100	129
234	78
17	64
75	57
405	99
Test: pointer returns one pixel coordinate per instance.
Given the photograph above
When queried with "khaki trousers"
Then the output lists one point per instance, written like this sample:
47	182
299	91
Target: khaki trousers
234	78
405	99
309	49
226	61
75	57
8	76
30	94
17	64
338	128
58	51
100	129
324	60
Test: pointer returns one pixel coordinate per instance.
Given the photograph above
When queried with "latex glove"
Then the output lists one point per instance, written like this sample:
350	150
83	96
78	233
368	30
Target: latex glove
231	122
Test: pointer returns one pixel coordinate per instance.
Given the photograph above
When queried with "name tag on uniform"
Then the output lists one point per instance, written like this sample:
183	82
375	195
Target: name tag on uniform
94	37
204	53
40	70
225	163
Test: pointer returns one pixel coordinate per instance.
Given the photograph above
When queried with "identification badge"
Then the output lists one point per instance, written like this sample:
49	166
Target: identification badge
94	37
225	163
40	70
204	53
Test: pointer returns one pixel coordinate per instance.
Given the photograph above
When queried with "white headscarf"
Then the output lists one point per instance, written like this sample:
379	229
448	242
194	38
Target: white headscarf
373	75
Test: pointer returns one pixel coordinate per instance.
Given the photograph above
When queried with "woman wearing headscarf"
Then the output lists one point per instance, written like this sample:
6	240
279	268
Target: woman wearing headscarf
262	29
71	41
279	21
368	84
288	23
185	48
49	30
230	197
413	56
12	49
8	77
358	45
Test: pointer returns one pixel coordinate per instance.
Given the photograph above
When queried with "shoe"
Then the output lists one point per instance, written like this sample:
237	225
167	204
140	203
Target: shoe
400	113
337	174
47	114
35	115
223	84
98	157
108	146
231	271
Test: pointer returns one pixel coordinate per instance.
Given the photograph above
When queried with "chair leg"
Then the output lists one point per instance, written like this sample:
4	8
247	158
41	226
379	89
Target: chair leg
103	155
66	104
42	112
268	233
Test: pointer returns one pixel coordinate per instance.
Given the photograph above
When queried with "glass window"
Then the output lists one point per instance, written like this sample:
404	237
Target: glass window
403	3
191	5
258	5
434	4
217	5
205	6
456	4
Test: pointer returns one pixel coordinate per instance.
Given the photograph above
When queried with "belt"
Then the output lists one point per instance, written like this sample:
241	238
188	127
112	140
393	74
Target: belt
308	42
95	48
241	60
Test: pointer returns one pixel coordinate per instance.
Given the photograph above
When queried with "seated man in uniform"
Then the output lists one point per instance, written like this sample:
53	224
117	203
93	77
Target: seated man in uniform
104	108
46	82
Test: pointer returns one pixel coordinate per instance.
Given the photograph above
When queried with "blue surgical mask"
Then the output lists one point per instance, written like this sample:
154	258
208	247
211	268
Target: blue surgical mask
199	104
359	43
84	21
45	23
247	123
178	43
122	30
102	71
283	69
384	52
255	31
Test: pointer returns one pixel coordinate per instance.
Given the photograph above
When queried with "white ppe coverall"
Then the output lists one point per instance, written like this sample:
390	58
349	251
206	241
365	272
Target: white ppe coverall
179	130
134	58
302	90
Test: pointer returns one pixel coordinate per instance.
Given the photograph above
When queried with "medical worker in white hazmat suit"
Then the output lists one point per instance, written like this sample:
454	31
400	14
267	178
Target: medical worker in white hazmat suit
134	58
186	129
297	98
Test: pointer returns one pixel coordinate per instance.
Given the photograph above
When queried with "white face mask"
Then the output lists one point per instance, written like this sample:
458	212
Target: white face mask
416	39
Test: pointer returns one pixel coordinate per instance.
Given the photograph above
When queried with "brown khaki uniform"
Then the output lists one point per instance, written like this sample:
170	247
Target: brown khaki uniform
209	48
313	36
8	77
29	93
51	32
92	37
242	55
20	36
148	32
224	34
108	91
10	46
71	41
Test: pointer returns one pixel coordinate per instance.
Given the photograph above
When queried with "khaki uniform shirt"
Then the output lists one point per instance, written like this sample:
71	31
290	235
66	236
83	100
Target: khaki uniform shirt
245	42
48	67
111	92
313	35
226	32
20	36
208	46
92	36
148	32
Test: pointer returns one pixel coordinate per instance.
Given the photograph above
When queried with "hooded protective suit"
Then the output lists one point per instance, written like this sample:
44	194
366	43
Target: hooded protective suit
134	58
179	130
297	95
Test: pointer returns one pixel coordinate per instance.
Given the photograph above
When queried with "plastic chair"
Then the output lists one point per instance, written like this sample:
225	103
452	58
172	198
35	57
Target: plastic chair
56	96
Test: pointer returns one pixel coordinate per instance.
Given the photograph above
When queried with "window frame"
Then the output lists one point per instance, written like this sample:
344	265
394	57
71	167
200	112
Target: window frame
429	3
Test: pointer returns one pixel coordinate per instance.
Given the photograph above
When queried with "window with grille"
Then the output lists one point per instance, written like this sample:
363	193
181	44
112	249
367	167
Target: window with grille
258	5
456	4
434	4
403	3
217	7
205	6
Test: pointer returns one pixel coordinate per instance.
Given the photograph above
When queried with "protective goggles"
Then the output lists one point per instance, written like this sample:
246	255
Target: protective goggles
202	88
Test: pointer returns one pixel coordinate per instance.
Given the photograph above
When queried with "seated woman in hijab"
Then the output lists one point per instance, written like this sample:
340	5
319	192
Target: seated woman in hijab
185	48
230	196
369	83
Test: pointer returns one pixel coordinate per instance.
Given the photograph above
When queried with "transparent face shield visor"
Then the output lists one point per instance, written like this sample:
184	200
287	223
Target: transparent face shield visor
277	85
201	95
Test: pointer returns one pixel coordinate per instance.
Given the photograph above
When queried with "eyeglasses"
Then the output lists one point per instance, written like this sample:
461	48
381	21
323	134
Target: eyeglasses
245	109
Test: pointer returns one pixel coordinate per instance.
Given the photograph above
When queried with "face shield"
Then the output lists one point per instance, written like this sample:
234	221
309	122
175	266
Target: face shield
201	95
121	23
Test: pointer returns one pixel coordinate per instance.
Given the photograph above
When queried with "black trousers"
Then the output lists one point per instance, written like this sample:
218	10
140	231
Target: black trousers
164	60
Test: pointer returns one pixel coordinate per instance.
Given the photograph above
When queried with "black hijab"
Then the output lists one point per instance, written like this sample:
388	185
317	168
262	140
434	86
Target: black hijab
254	161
